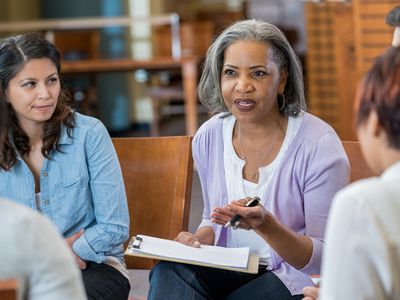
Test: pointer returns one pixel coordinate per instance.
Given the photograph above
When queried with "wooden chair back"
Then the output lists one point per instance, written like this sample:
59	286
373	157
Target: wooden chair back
8	289
358	165
158	181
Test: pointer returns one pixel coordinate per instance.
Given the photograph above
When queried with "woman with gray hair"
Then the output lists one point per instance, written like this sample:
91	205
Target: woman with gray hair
261	142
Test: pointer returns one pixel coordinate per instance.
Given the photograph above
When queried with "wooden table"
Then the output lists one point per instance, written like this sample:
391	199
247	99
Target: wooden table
187	65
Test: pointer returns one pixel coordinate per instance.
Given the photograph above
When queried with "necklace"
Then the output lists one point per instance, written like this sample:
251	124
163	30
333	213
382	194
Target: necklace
255	175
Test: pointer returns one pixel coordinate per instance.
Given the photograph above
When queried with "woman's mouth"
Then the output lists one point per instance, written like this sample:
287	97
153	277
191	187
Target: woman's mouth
244	104
43	108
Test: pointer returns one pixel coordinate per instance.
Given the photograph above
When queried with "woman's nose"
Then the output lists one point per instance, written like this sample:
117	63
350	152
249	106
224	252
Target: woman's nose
244	85
43	92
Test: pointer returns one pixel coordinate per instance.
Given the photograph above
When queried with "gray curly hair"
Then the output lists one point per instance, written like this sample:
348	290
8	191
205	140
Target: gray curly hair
283	55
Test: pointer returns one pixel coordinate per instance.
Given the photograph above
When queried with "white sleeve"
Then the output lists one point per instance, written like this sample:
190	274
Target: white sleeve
53	273
351	257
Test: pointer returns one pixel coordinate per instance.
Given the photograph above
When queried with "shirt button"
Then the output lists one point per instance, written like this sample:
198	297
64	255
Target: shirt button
45	174
47	201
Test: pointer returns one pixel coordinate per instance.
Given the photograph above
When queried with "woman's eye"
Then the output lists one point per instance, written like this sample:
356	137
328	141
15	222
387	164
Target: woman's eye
52	80
259	73
29	84
229	72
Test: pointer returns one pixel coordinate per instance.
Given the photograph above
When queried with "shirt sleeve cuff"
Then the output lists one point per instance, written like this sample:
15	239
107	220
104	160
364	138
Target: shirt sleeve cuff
82	248
205	223
314	265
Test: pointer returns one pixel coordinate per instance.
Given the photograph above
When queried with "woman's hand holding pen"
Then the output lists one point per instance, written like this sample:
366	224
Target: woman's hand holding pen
70	241
251	217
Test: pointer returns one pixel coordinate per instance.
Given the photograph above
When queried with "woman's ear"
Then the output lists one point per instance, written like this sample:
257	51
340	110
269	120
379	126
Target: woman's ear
282	84
373	125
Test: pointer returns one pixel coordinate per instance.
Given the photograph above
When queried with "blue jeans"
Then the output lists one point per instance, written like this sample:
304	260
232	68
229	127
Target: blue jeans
170	280
103	282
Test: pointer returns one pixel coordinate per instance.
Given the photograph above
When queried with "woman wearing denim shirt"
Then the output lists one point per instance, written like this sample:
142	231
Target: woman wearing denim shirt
63	164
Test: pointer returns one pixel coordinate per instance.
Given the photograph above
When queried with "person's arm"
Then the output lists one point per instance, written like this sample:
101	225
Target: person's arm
280	238
327	171
109	198
203	236
200	146
283	240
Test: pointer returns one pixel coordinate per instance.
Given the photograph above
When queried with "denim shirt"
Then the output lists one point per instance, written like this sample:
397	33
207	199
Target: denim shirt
81	188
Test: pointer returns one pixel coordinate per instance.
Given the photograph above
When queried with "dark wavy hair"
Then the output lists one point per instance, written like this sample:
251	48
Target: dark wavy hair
380	91
15	52
3	119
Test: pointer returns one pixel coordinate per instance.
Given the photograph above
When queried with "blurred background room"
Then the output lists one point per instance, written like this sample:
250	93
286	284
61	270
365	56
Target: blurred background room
135	64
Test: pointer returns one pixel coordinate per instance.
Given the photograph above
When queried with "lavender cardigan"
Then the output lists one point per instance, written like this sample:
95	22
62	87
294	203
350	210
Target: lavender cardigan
313	169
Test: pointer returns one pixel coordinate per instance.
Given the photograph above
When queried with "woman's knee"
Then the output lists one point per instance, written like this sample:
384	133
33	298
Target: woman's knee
164	268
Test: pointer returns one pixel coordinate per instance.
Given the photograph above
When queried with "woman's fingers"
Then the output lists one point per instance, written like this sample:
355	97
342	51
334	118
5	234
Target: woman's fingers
188	239
221	216
70	240
81	263
311	292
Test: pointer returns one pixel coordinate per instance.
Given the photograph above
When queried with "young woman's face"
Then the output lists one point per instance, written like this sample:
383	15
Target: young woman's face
34	91
251	81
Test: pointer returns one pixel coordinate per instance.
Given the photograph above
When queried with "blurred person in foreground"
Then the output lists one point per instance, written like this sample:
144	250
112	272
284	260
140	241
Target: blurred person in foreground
362	254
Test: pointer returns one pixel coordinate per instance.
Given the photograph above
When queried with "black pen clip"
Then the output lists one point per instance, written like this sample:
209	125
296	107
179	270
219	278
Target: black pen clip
135	242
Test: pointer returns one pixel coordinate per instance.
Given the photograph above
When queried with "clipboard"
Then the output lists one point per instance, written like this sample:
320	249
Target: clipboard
233	259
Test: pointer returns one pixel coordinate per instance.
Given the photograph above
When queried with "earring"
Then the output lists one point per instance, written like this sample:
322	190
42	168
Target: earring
283	102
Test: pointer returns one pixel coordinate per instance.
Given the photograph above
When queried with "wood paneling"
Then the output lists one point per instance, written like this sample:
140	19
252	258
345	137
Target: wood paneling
372	34
330	65
343	41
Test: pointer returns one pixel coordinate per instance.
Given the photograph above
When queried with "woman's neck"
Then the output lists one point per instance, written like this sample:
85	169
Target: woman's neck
34	132
261	130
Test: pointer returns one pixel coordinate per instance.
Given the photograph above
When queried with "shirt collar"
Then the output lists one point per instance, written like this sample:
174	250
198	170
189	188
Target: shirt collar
64	137
392	171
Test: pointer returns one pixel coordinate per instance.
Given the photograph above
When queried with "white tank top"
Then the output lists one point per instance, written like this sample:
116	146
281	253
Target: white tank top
238	188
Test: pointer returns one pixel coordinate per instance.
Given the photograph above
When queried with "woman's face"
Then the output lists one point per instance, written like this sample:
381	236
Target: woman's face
34	91
251	81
